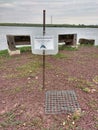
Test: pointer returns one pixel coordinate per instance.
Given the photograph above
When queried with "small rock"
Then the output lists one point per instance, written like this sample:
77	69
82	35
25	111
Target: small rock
29	78
57	76
2	112
30	71
73	122
64	123
36	77
24	124
93	90
3	102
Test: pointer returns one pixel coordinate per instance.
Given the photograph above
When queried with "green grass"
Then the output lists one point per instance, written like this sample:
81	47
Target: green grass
86	45
4	53
93	104
68	48
82	84
25	49
28	69
95	79
61	56
9	119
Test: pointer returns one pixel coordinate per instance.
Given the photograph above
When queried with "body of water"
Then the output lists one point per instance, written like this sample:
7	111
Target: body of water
88	33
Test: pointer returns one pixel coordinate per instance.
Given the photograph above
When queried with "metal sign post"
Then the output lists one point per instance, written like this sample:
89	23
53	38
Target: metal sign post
44	45
44	50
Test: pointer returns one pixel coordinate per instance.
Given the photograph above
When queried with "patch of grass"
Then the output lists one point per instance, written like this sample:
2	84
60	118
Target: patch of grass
28	69
12	90
61	56
36	123
4	53
25	49
53	127
9	120
16	90
68	48
70	122
96	121
94	55
87	90
83	84
93	104
86	45
95	79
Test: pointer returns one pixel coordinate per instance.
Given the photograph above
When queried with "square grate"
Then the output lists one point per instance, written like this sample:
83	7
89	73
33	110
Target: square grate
61	102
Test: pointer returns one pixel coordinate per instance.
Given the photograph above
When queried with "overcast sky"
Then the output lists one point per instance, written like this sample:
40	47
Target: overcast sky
57	11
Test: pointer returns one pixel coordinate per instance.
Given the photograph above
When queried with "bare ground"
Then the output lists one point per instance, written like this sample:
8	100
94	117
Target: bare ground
22	99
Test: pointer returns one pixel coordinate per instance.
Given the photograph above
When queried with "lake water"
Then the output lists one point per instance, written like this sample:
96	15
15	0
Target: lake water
89	33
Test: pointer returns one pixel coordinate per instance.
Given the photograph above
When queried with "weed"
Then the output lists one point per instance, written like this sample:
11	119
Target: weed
70	122
87	90
96	121
86	45
61	56
26	69
9	120
4	53
25	49
83	84
93	104
94	55
16	90
95	79
36	122
68	48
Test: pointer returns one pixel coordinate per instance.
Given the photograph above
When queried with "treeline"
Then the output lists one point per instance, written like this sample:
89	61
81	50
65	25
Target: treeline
47	25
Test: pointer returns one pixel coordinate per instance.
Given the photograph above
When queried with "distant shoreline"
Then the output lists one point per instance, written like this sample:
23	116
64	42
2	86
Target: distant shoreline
48	25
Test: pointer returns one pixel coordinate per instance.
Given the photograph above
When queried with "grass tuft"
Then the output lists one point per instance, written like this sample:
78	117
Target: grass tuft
25	49
4	53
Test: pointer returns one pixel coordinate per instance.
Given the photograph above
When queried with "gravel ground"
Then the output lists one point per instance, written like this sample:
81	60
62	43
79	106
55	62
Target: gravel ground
22	99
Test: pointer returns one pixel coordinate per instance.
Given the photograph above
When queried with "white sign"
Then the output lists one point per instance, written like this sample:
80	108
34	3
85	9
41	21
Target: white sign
40	43
43	43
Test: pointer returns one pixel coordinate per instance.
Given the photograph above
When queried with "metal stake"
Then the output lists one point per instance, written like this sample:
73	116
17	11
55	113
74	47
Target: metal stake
43	69
43	50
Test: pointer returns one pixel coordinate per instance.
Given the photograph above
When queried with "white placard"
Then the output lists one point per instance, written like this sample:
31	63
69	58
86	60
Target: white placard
43	42
40	43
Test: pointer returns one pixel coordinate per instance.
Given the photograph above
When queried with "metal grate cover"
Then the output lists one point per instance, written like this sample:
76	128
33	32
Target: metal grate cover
61	102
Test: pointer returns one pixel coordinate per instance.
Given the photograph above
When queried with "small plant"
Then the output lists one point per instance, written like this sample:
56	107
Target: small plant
25	49
96	121
9	120
36	122
26	69
70	122
4	53
87	90
81	83
95	79
93	104
86	45
68	48
60	56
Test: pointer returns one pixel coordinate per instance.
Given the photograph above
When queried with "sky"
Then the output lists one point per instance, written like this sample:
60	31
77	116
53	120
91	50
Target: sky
57	11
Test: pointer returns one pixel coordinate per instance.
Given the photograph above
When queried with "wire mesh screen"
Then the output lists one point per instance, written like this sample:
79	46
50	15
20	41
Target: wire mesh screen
61	102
